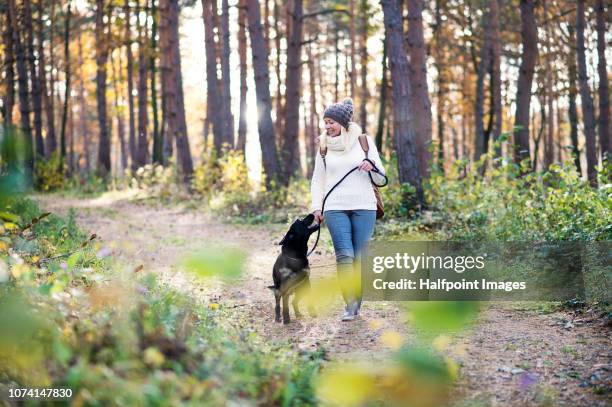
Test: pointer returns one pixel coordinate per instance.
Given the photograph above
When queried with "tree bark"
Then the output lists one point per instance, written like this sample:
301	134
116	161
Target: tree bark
383	100
403	125
353	40
130	84
363	56
47	93
496	84
312	116
277	70
549	140
67	82
104	157
172	83
157	134
482	68
262	89
242	54
228	118
439	59
8	101
293	86
572	95
420	102
22	82
213	95
83	104
142	146
35	82
529	36
602	70
118	113
588	111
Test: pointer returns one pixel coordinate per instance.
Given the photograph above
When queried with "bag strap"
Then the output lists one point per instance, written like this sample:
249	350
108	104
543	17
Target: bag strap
364	144
323	152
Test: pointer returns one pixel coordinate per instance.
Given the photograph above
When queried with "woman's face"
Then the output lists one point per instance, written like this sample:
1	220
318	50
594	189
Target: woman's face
332	127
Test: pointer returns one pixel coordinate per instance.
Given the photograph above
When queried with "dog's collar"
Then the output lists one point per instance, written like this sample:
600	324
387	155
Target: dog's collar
292	258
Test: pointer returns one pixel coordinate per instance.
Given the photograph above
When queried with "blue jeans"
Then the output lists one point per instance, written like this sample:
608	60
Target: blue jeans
350	231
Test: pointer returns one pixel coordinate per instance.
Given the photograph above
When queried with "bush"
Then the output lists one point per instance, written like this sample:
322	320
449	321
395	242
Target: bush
50	174
547	206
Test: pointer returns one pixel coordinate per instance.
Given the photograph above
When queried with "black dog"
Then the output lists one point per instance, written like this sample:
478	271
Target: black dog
291	272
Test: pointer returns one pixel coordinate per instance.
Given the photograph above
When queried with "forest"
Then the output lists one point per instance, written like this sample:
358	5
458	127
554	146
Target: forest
154	152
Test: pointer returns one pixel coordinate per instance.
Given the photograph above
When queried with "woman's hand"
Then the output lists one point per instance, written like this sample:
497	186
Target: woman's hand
318	216
366	166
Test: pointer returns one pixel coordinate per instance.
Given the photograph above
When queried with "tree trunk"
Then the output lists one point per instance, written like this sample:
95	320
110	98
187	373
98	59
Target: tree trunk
71	163
572	94
8	101
172	83
383	100
67	83
47	93
214	108
496	91
353	39
157	134
363	56
142	147
277	70
293	86
529	37
403	126
130	84
313	117
104	158
118	112
337	71
82	104
242	53
549	140
262	89
604	96
420	102
36	90
22	82
439	58
588	113
482	68
228	118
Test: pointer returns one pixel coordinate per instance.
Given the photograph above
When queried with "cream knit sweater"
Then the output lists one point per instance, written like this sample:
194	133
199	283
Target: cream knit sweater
355	192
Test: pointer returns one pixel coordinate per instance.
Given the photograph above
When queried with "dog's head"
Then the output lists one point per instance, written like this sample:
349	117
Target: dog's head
300	231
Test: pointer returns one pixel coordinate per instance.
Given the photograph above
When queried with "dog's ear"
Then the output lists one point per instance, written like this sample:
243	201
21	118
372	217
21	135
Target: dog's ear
282	242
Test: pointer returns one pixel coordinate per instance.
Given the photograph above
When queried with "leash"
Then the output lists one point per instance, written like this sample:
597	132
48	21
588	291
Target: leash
329	192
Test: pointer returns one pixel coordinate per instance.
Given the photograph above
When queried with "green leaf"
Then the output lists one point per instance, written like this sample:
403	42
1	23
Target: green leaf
220	262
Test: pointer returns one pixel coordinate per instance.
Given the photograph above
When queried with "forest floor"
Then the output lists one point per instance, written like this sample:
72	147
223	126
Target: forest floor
515	354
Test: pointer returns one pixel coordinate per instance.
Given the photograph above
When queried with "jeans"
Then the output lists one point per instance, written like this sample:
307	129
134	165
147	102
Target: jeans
350	231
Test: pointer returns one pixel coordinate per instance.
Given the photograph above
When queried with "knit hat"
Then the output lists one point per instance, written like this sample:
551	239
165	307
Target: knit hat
340	112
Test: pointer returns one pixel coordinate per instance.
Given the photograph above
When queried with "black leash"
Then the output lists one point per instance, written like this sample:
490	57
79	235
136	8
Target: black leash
330	191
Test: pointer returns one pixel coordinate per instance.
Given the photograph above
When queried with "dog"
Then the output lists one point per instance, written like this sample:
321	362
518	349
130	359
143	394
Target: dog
291	272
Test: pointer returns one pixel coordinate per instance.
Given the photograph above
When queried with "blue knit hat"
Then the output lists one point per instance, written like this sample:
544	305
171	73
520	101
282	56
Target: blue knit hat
340	112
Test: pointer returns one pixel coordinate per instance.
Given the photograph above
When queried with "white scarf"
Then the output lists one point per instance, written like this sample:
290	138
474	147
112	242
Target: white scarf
343	142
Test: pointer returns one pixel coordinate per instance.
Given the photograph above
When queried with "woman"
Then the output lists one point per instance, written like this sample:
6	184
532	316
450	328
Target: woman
350	209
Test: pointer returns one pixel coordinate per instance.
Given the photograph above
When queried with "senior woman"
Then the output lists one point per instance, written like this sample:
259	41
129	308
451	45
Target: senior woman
350	209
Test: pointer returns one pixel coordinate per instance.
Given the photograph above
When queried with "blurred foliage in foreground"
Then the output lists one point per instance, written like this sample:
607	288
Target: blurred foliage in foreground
69	318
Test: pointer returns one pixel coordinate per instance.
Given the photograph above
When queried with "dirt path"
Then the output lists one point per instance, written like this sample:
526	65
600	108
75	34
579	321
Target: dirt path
513	355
